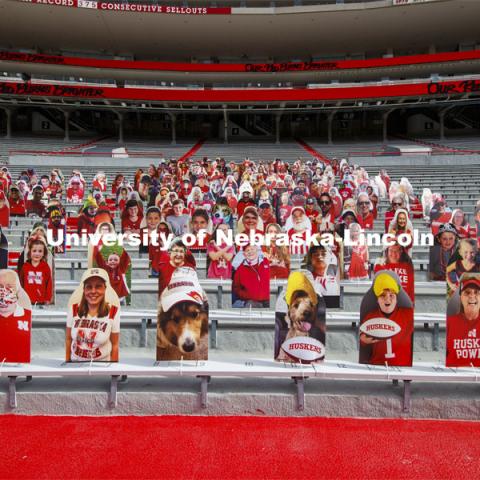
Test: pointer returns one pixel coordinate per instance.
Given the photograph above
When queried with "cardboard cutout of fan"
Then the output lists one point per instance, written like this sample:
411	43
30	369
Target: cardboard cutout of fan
405	273
36	269
386	323
442	251
93	320
326	266
465	260
250	278
15	319
114	259
356	255
300	320
463	323
182	323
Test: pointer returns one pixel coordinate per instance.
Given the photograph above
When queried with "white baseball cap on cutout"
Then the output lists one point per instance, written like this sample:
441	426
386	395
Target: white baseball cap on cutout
183	287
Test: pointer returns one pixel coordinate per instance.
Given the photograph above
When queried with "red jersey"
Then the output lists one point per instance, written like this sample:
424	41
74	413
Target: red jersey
74	196
232	203
121	204
128	224
197	247
37	208
5	216
101	186
252	282
366	222
4	184
312	215
242	205
298	246
389	214
86	223
17	207
284	212
37	282
463	341
165	269
15	336
397	350
117	277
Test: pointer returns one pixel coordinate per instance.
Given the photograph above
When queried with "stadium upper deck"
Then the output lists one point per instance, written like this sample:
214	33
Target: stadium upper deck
286	32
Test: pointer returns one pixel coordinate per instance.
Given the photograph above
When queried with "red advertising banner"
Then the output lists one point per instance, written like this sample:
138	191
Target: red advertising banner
134	7
240	95
241	67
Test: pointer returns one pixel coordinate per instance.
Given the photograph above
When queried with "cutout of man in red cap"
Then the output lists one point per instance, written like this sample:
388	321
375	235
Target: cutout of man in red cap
463	328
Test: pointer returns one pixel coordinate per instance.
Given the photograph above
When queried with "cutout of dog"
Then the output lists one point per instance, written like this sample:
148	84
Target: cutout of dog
182	323
300	313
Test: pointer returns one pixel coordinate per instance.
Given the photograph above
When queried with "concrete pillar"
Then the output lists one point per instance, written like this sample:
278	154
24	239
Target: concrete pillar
66	114
331	115
441	118
364	120
385	116
278	117
120	126
225	126
8	114
173	119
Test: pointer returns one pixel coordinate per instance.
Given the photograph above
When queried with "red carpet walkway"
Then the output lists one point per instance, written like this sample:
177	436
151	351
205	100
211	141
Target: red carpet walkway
314	153
236	447
192	151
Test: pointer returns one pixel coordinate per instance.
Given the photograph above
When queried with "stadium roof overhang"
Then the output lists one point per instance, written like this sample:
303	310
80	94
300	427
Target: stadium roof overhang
286	32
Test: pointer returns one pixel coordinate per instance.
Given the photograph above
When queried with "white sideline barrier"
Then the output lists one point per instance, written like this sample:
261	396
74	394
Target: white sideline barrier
252	368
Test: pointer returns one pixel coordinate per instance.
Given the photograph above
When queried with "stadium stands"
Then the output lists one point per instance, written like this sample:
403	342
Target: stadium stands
268	121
